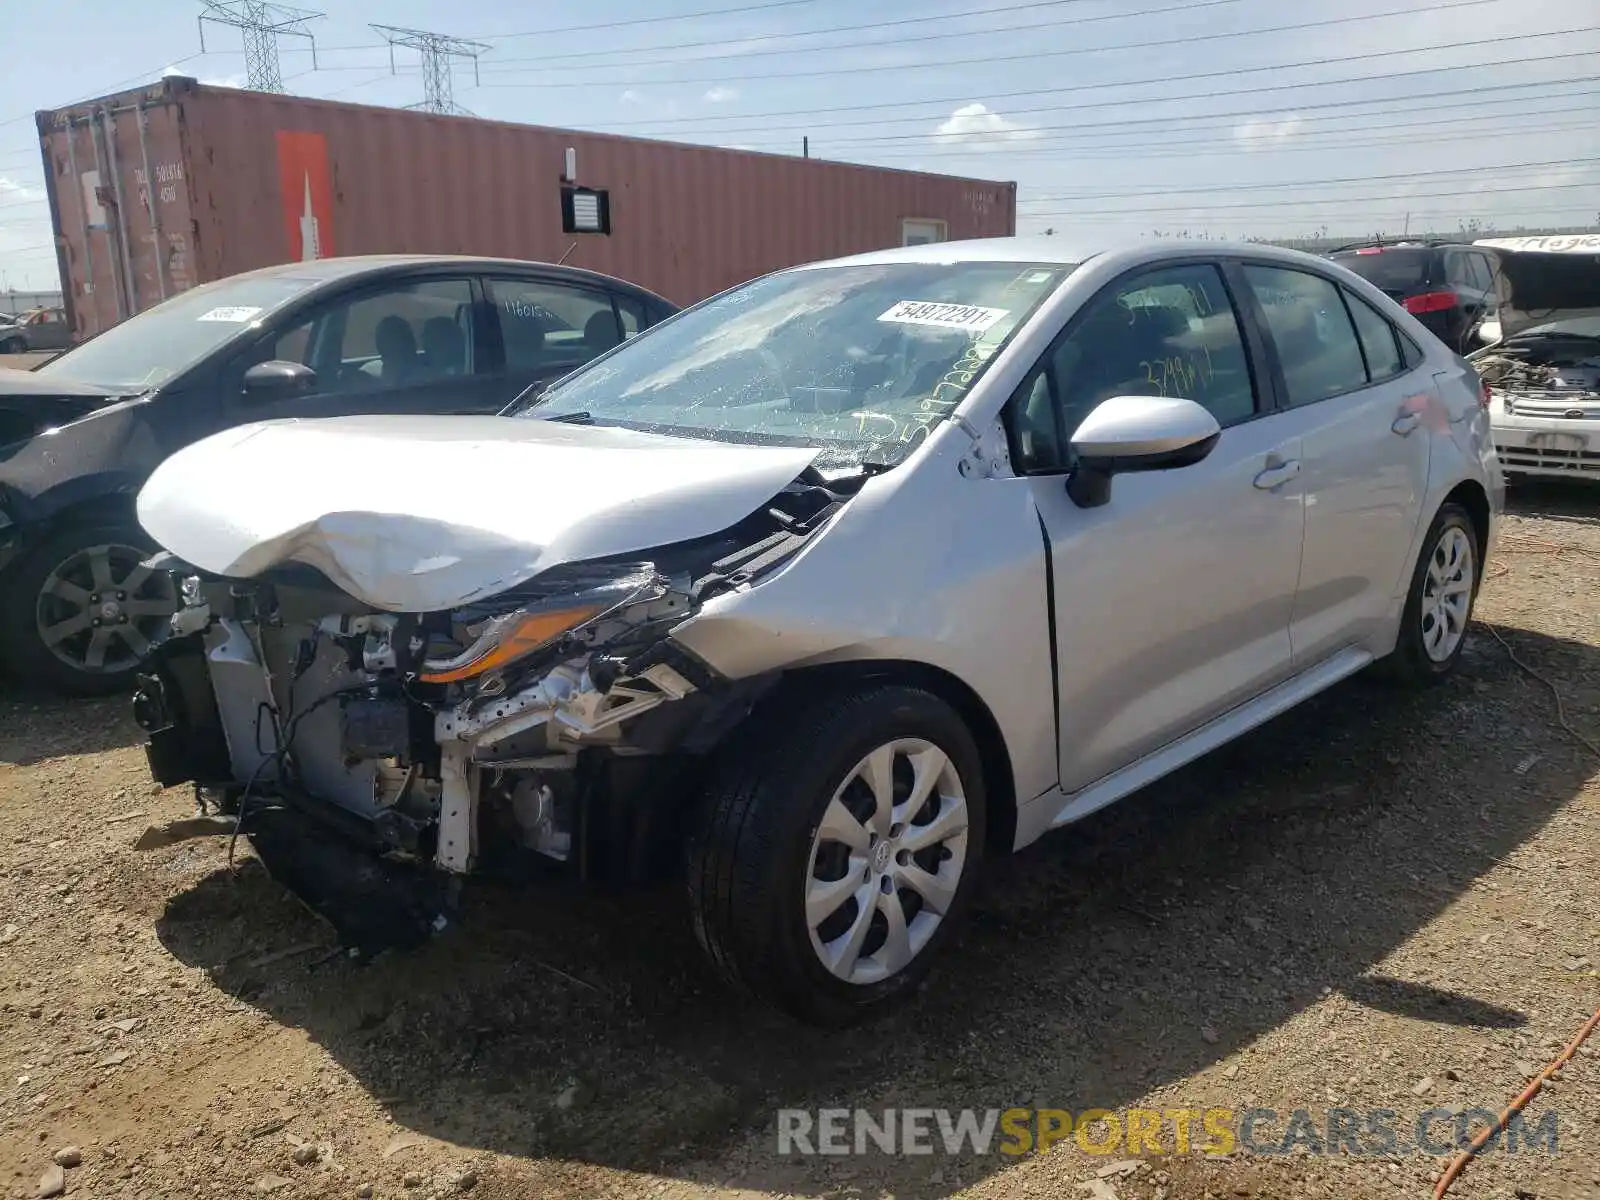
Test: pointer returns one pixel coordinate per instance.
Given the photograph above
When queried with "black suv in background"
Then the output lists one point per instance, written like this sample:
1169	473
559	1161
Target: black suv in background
1448	286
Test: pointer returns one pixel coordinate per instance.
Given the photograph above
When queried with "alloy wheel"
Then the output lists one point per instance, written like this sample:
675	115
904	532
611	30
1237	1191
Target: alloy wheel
886	861
100	610
1447	594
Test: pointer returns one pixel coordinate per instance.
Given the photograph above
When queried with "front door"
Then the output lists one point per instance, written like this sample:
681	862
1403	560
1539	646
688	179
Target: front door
1172	601
408	345
1365	420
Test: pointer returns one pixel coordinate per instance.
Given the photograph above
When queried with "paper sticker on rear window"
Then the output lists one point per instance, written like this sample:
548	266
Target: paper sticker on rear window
236	314
946	316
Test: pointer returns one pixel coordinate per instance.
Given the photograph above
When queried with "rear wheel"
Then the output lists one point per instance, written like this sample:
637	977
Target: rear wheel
1433	627
840	847
81	611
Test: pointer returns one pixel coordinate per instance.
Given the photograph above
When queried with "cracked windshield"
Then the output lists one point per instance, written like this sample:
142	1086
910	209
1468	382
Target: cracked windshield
859	361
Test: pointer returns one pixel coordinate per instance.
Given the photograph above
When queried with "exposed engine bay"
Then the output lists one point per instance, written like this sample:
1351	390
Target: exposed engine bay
555	725
1546	374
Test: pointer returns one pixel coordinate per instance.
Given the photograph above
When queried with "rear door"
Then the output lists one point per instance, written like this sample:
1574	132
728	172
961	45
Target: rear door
1362	417
543	327
1467	275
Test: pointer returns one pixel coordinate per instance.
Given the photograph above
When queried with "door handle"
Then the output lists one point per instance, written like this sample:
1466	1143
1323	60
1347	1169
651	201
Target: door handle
1405	423
1274	475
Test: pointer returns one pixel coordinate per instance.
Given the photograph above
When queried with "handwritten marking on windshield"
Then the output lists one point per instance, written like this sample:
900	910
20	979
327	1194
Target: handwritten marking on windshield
970	317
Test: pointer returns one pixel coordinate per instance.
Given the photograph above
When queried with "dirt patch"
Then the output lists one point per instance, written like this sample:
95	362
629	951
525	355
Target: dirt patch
1380	901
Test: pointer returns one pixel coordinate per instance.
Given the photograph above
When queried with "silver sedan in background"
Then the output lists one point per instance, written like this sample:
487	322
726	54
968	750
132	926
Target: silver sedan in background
822	591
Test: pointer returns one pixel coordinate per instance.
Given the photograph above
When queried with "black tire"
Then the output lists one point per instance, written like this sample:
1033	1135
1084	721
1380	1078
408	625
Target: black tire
13	346
1410	664
750	853
25	613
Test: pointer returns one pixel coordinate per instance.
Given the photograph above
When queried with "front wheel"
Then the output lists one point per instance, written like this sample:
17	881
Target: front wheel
839	848
1433	625
13	346
81	611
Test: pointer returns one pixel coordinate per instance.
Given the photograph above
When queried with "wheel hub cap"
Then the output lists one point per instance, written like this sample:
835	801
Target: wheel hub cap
886	861
1447	594
101	609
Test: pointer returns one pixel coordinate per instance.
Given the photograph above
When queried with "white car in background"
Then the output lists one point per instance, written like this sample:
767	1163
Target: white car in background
1542	360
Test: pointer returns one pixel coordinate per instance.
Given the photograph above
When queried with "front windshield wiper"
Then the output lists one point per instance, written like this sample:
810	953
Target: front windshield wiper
572	418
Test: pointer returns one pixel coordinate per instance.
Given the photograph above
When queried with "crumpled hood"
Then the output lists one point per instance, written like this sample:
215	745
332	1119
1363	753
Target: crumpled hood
1537	287
420	514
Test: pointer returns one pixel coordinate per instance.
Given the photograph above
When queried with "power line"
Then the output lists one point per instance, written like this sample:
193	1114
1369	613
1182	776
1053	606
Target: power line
1031	56
439	52
261	23
1347	179
547	59
1210	148
110	87
554	62
688	16
966	97
1183	138
1388	198
1167	123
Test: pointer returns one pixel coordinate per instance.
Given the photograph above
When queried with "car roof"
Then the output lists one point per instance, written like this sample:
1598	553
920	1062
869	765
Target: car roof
322	271
1069	251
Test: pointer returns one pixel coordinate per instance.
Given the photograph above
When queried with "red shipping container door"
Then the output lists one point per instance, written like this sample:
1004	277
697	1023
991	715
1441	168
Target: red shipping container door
155	190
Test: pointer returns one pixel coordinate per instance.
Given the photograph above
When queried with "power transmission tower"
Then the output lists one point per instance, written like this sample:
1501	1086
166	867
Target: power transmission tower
439	52
261	23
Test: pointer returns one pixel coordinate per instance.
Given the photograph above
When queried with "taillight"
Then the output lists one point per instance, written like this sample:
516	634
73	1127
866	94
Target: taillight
1429	302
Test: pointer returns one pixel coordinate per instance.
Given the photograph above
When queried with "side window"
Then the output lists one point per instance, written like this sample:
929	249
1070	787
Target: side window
1316	342
1378	340
1485	273
1166	332
632	315
407	334
1455	269
552	326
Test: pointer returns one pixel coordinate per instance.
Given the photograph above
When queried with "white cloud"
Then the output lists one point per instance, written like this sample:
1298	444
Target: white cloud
974	124
630	97
1262	132
721	95
227	81
17	191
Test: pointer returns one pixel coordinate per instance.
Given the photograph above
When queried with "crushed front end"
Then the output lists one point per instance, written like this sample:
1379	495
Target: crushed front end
373	757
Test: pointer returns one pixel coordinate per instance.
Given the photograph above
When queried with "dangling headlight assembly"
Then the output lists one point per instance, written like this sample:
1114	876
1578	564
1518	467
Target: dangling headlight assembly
503	639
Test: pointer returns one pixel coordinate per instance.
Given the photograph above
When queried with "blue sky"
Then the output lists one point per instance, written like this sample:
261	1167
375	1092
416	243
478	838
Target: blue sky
1122	116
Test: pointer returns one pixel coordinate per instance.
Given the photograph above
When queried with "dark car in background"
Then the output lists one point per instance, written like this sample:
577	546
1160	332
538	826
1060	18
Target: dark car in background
1448	286
37	329
332	337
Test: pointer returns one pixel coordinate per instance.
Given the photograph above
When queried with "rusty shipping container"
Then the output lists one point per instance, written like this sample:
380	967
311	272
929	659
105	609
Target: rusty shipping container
155	190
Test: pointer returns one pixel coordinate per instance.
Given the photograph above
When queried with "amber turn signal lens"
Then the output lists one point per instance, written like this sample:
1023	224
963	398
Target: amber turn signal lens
524	636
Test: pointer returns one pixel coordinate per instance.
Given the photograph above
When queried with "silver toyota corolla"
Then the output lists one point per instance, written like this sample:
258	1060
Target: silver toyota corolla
820	592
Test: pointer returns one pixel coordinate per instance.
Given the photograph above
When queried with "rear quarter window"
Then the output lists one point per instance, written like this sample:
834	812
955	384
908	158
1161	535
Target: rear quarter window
1395	271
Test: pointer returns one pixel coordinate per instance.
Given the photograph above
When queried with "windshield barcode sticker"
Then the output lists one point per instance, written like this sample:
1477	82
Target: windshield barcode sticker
236	314
946	316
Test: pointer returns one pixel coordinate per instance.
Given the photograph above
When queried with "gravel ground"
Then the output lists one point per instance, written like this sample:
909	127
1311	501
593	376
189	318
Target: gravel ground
1378	901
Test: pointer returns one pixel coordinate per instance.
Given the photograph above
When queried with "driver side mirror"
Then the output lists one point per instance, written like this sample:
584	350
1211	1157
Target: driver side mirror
1136	433
277	379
